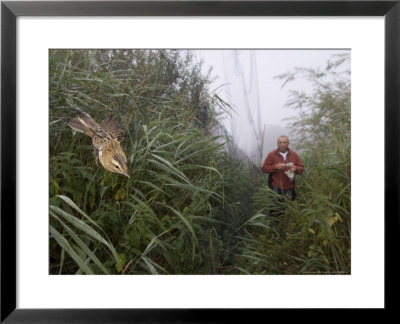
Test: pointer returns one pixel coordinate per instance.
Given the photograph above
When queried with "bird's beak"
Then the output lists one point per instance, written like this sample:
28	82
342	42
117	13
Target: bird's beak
126	174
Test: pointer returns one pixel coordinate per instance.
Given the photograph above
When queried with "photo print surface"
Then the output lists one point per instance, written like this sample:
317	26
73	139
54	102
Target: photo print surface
175	161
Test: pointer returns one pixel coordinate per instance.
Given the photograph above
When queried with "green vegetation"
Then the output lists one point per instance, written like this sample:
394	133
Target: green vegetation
317	224
191	206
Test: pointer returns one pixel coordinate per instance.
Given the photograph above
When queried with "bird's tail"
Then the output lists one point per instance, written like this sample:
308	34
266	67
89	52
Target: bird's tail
83	123
78	126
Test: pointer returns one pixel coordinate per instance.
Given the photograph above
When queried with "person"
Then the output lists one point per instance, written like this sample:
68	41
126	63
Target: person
282	164
278	163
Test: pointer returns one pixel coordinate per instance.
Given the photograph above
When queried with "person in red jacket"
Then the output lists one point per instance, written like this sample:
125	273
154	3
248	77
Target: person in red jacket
282	164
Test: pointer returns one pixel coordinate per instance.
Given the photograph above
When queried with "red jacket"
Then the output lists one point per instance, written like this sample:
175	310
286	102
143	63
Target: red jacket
279	178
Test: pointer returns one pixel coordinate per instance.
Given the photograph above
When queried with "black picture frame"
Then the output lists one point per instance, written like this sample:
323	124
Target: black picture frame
11	10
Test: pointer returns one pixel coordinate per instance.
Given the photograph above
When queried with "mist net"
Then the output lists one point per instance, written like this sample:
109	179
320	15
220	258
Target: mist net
237	77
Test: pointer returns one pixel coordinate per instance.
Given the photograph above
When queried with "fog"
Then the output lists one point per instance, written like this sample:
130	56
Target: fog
245	79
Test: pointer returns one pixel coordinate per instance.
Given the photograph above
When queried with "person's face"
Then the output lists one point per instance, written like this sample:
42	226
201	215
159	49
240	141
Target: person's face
283	144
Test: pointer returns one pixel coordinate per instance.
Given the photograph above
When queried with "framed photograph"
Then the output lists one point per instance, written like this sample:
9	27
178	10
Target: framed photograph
184	161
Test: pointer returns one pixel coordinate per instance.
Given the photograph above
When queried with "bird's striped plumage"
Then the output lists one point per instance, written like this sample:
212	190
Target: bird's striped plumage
106	139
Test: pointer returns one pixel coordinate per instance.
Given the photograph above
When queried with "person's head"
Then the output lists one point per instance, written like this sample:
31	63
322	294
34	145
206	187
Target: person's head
283	143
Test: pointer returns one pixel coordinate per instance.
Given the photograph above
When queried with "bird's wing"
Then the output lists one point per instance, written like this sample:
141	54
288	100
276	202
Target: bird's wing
85	124
110	126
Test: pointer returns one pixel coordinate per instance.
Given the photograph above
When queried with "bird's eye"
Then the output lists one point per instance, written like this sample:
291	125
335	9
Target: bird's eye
117	166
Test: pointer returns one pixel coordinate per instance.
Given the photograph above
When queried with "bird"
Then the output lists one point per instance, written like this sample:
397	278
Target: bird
106	139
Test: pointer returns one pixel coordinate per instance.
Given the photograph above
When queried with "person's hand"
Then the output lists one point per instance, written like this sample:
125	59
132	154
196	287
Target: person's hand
279	166
293	168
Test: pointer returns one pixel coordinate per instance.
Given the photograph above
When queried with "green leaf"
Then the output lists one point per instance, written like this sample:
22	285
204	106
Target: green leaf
82	245
68	248
120	194
151	268
86	229
185	221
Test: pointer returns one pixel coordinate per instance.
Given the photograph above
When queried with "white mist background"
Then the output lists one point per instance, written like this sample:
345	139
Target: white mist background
245	78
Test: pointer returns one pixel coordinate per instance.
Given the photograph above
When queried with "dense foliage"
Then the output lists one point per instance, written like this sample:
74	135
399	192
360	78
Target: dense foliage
190	206
316	226
173	215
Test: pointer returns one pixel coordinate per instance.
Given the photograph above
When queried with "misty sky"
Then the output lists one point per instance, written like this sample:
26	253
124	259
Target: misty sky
247	82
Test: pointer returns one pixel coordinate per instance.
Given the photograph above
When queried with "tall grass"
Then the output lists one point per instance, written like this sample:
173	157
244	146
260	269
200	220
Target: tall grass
317	226
173	215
